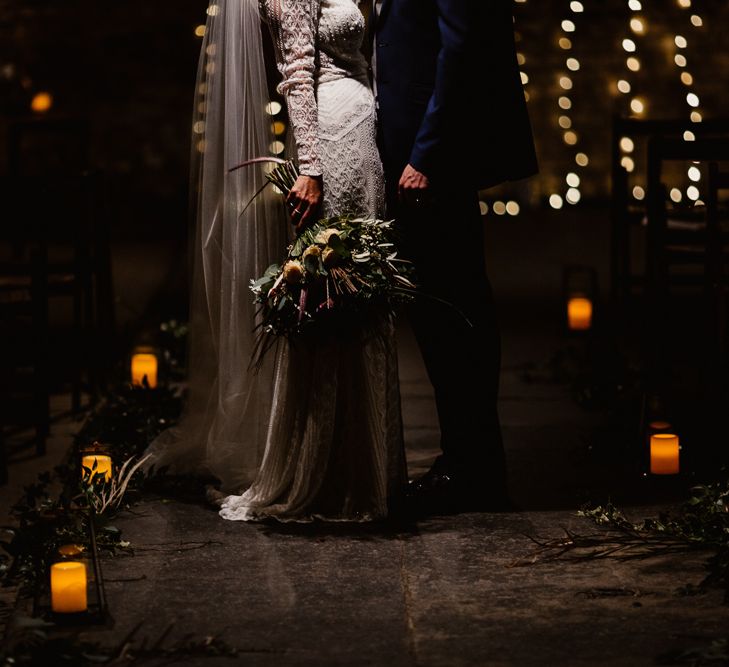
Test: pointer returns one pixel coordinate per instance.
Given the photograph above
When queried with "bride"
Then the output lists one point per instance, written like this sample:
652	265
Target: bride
317	432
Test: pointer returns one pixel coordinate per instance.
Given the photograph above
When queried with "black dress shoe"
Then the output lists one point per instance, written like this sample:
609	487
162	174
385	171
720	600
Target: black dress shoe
441	491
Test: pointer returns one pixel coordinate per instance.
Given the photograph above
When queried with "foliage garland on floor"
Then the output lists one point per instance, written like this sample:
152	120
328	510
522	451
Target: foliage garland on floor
52	512
700	525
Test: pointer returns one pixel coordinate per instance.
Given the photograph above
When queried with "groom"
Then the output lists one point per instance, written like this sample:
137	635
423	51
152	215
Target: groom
452	120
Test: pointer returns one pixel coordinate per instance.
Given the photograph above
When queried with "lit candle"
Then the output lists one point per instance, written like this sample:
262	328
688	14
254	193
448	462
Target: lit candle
68	587
664	454
144	363
103	465
579	313
659	427
70	550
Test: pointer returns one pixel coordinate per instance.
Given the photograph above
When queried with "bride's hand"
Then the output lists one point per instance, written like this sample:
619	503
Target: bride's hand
304	201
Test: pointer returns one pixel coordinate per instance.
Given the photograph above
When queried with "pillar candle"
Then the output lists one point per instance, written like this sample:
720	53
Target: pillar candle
579	313
664	454
143	364
68	587
103	465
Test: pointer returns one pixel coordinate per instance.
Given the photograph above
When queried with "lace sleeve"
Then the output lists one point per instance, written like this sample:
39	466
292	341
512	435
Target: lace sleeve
293	26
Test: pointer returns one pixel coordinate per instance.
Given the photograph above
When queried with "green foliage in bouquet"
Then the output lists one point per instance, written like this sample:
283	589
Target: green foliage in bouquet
337	268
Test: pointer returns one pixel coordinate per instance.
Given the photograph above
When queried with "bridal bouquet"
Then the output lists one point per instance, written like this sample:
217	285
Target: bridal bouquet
340	266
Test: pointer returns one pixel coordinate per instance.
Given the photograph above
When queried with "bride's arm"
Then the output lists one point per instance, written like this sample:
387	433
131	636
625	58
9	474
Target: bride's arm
293	24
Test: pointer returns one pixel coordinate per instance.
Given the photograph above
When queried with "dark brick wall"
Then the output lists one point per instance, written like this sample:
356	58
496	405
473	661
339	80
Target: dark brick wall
129	67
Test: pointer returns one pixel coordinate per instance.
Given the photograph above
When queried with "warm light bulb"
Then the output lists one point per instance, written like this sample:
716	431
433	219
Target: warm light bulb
623	86
627	145
512	208
573	196
629	45
577	7
637	26
692	99
570	138
565	122
692	192
637	105
680	41
696	21
694	173
565	43
200	31
273	108
555	201
680	60
499	207
635	5
628	163
564	102
568	26
675	195
573	64
633	64
565	82
573	180
42	102
582	160
696	117
638	193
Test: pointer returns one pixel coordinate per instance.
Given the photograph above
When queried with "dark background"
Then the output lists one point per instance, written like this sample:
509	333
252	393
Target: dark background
129	68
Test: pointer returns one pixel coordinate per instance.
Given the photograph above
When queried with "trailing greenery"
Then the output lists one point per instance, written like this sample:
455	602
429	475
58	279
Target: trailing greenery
54	510
701	524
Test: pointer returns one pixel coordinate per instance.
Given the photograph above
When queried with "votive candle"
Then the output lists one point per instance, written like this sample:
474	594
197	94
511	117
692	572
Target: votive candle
579	313
68	587
103	465
664	454
144	363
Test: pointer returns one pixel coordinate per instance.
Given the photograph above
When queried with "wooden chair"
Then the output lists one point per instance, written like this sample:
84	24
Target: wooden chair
685	277
628	215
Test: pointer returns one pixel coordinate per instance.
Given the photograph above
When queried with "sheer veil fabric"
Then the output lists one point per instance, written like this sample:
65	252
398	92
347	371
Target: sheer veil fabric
223	430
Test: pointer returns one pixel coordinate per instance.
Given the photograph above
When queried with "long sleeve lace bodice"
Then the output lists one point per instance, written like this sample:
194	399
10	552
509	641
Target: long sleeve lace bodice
316	41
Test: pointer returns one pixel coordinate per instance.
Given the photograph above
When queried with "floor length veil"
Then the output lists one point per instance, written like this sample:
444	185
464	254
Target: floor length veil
223	429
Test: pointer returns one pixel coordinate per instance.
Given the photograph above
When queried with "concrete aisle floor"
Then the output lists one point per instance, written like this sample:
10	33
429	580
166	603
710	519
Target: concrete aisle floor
441	593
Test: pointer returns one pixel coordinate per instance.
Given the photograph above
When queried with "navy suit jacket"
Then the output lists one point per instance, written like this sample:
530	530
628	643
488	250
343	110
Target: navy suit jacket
450	95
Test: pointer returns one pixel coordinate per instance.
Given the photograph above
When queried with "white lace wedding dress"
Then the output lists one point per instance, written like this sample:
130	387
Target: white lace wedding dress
334	448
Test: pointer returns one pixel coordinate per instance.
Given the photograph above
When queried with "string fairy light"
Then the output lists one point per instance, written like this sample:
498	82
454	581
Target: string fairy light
637	28
693	101
570	137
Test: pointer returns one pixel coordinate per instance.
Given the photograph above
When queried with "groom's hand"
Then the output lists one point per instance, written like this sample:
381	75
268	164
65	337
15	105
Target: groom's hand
414	187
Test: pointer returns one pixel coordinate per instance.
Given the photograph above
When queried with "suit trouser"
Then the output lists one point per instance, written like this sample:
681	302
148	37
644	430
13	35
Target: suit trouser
460	342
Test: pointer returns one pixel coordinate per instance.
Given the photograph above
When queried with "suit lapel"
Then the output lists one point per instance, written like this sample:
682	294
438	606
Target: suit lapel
383	12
